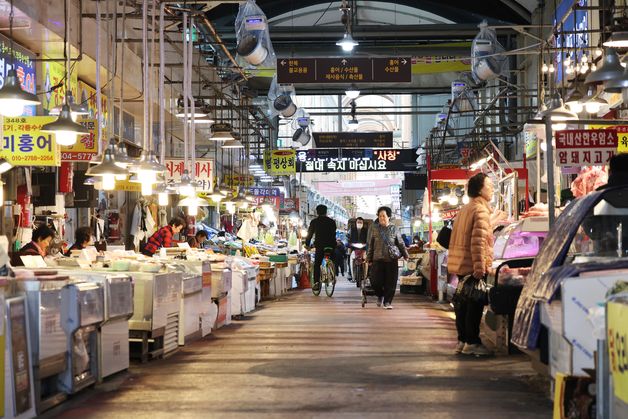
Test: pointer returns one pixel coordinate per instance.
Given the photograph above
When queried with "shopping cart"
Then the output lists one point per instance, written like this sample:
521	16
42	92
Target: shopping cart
365	286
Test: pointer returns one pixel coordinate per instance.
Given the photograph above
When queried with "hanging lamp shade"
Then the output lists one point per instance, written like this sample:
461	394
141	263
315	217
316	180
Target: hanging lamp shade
618	84
347	43
610	69
5	166
107	166
148	163
557	110
122	156
64	128
76	109
13	98
221	132
617	40
186	187
193	201
233	144
229	200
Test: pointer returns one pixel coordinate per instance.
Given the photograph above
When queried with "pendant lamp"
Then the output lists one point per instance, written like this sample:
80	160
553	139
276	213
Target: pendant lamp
611	69
12	97
64	128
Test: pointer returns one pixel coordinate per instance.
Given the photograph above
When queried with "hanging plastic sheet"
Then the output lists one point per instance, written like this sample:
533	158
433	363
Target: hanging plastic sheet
487	59
254	46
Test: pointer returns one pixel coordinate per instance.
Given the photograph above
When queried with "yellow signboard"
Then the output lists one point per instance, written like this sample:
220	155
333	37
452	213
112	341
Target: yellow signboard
85	147
127	186
280	162
23	143
617	321
622	135
55	85
239	180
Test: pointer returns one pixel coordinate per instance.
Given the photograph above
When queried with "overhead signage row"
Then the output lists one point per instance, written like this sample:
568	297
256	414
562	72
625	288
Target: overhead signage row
356	160
344	70
353	139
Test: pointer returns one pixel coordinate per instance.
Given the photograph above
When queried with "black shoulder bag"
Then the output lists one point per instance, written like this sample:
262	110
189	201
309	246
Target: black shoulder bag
393	251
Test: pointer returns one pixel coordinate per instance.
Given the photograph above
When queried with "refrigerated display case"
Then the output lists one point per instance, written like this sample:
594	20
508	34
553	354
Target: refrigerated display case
48	339
82	312
155	321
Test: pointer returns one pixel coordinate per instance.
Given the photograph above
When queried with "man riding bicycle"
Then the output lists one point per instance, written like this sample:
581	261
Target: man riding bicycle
323	229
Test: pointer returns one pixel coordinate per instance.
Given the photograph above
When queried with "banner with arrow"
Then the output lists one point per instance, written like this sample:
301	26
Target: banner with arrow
344	70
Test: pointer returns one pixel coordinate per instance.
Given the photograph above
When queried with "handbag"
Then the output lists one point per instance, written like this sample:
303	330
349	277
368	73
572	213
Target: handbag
444	236
474	290
393	251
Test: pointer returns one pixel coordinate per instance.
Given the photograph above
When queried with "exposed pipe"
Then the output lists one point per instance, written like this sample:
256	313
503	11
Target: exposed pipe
145	72
192	101
186	153
162	76
98	87
218	41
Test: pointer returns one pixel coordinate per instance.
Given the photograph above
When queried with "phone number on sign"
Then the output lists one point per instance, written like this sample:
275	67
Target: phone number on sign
32	158
70	156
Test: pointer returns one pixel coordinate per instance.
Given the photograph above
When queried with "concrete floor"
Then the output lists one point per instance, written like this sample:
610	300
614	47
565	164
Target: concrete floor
310	357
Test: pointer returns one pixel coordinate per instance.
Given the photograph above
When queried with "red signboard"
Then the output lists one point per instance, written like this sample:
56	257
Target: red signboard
585	147
586	138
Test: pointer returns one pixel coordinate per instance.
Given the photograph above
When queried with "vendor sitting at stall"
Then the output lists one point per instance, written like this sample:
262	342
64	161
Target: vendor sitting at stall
163	237
40	241
83	238
197	241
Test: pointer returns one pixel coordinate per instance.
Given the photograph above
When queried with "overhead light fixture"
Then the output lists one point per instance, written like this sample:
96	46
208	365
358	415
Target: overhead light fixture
251	49
284	105
224	189
216	196
122	155
611	69
347	43
90	181
594	104
617	40
574	100
206	120
353	121
108	170
5	166
12	97
266	179
221	132
557	112
186	187
64	128
163	191
352	92
233	144
198	106
617	85
76	109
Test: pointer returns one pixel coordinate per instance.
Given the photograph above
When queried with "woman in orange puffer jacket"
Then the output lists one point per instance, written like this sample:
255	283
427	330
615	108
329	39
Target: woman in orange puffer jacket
471	253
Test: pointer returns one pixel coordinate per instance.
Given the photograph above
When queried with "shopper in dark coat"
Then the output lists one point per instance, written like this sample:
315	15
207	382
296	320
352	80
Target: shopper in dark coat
384	269
340	253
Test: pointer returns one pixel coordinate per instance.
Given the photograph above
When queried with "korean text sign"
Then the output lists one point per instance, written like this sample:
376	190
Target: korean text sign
23	143
280	162
204	173
585	147
85	147
617	339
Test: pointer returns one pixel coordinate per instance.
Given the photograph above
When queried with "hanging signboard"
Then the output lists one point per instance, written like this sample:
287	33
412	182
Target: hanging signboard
85	147
532	133
622	135
23	143
276	200
344	70
55	85
239	180
204	173
264	191
353	139
617	329
585	147
24	67
357	160
289	205
280	162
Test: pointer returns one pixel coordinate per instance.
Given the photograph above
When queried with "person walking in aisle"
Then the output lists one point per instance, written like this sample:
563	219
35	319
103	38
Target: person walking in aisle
384	267
470	257
340	253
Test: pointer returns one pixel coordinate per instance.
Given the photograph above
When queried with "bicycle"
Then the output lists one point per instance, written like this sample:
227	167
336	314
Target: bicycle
358	263
328	275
